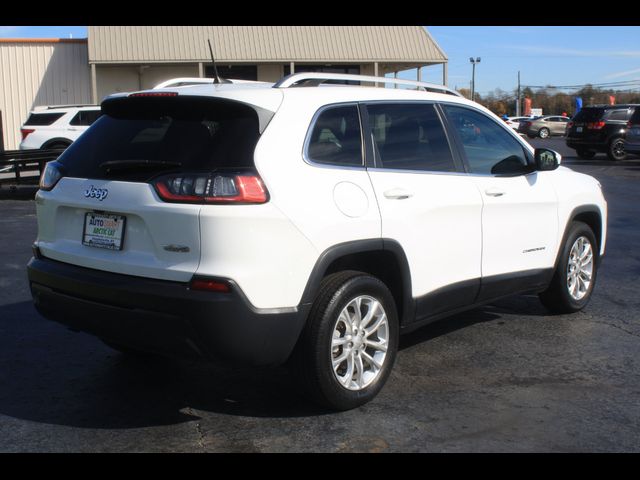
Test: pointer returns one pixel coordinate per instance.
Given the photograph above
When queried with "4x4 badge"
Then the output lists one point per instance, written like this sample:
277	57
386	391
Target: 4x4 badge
99	193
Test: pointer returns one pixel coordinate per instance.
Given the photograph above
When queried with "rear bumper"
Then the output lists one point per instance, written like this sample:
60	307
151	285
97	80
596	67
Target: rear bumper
580	144
164	317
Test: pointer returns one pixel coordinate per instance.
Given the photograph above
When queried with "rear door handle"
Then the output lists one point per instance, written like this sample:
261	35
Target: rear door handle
397	194
494	192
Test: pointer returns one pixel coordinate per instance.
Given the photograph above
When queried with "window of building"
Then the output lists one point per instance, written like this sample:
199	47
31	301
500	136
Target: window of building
236	72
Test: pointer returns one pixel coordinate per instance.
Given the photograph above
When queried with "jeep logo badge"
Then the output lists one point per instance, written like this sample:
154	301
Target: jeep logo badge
99	193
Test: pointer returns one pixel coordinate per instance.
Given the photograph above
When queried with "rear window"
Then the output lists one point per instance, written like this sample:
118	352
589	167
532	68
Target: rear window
589	115
43	119
139	138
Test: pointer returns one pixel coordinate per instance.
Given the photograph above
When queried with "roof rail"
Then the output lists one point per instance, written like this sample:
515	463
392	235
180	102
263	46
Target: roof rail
316	78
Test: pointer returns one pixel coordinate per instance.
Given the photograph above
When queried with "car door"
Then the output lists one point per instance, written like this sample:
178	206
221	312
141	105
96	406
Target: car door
427	204
519	214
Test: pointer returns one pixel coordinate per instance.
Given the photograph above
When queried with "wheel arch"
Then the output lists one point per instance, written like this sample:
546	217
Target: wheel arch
53	141
382	258
589	214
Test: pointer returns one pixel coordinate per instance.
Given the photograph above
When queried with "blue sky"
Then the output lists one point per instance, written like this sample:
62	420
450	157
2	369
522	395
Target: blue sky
543	55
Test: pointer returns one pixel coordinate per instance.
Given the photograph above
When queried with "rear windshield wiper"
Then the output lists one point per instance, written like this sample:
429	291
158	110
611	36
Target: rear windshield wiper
127	164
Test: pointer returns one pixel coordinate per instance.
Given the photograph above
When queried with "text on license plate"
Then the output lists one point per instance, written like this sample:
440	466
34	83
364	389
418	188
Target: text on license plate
103	230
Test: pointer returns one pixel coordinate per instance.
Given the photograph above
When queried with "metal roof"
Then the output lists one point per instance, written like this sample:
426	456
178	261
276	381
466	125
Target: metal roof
175	44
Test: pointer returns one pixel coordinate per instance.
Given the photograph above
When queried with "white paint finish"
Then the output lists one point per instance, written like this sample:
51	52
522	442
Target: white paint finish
304	192
520	216
575	189
151	224
260	249
350	199
438	225
39	73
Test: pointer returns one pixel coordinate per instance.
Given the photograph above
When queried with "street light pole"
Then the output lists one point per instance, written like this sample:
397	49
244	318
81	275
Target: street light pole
473	78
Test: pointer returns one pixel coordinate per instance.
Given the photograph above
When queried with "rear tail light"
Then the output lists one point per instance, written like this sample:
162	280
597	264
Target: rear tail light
238	188
569	125
25	132
596	125
51	176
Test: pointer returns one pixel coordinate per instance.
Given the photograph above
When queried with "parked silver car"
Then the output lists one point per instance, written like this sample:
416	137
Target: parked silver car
545	126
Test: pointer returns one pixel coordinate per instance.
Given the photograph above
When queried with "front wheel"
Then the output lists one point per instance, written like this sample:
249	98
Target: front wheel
544	133
575	276
348	348
616	150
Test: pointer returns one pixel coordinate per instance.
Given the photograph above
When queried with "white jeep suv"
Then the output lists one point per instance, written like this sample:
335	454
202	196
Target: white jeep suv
57	126
309	225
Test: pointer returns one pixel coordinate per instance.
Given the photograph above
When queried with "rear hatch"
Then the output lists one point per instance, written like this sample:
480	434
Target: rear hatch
588	124
132	186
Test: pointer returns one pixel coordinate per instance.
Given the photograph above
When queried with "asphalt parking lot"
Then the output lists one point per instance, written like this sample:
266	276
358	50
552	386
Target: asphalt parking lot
506	377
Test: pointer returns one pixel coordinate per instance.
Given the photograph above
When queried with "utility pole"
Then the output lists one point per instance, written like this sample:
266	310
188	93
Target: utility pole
473	78
518	100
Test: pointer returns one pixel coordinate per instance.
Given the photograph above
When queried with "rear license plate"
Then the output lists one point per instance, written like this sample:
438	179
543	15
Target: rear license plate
579	129
103	230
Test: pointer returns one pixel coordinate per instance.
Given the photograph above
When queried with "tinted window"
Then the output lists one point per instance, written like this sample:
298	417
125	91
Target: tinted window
85	117
589	114
42	119
489	148
171	134
635	118
409	137
335	138
619	115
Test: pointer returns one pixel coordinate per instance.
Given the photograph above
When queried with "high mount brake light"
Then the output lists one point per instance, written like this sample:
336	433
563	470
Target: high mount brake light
154	94
216	188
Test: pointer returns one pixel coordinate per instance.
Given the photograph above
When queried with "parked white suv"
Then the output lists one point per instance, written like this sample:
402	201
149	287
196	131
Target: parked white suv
57	126
305	224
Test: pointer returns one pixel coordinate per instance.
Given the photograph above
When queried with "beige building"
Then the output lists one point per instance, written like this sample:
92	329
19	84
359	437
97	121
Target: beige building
39	72
126	58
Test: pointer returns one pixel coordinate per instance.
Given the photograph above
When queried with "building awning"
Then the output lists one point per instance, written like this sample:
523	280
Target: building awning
263	44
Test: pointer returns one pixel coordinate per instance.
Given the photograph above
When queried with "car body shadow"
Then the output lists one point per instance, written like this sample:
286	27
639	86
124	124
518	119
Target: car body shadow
49	374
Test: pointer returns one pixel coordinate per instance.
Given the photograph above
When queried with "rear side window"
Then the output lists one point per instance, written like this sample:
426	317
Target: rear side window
137	139
622	115
85	117
635	118
335	137
409	137
43	119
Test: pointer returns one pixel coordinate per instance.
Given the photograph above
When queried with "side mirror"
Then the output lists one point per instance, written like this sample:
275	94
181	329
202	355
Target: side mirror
547	159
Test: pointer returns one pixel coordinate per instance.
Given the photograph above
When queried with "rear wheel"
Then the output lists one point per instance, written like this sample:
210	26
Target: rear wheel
575	276
544	133
347	350
57	146
616	150
586	154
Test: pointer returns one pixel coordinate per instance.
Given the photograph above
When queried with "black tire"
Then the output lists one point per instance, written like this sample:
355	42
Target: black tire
312	358
586	154
57	146
557	298
544	133
615	150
